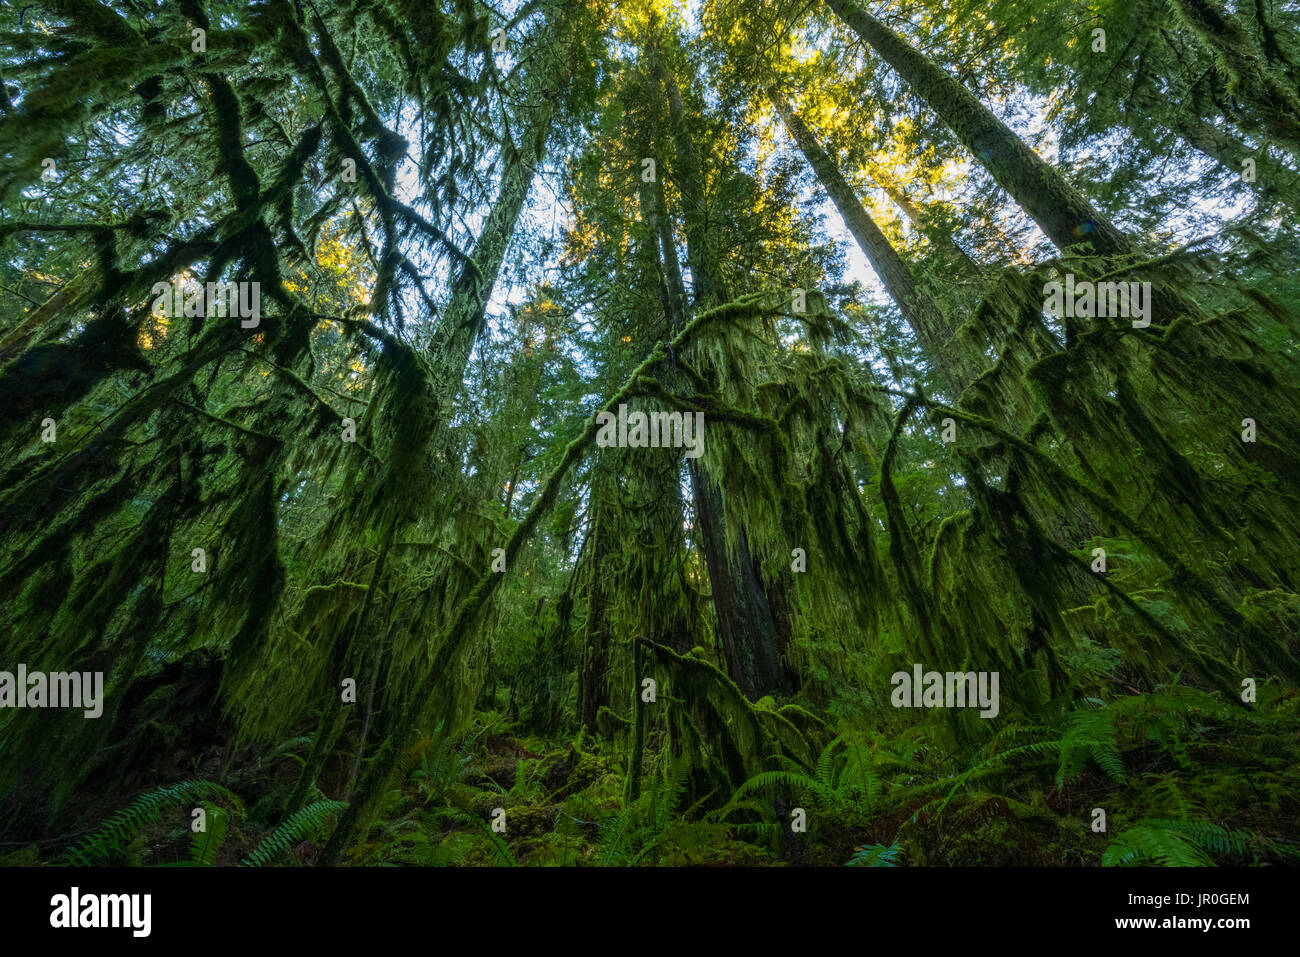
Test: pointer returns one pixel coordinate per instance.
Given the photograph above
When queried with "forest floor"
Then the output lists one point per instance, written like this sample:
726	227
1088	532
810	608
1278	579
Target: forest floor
1181	778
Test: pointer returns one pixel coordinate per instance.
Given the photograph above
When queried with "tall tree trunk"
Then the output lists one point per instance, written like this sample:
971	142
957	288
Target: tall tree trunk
753	645
1061	211
928	323
661	227
709	290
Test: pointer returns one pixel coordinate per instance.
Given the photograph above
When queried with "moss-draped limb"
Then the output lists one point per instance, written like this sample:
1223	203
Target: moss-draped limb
1181	574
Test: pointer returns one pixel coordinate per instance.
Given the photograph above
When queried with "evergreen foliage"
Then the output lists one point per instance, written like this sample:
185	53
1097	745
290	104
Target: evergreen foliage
365	563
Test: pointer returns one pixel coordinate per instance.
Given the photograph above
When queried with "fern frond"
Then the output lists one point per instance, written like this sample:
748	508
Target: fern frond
205	844
826	761
1092	734
1158	845
111	838
502	849
1178	843
1037	749
312	820
791	779
1211	837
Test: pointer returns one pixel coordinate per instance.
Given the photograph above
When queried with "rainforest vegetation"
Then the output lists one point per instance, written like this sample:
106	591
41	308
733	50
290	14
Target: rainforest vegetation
309	313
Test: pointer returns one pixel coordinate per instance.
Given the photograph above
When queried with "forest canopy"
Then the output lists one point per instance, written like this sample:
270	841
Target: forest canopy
649	432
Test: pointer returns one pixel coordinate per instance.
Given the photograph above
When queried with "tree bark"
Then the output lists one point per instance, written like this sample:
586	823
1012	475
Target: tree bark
747	631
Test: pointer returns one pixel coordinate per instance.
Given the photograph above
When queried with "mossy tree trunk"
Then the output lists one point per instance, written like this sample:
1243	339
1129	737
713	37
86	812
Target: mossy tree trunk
752	642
